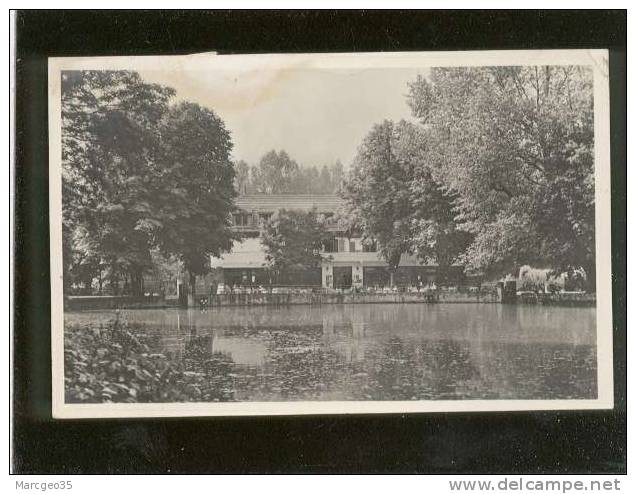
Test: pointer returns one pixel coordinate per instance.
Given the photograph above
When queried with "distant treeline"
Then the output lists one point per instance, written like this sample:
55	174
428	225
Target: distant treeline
277	173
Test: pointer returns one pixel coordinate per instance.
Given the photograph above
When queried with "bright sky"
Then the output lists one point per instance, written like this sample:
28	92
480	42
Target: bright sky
318	115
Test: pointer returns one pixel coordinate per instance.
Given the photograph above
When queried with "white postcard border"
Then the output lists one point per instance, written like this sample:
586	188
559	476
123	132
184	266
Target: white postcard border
597	59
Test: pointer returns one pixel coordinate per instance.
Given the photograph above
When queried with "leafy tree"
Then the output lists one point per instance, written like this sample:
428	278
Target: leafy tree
276	173
243	182
293	241
337	176
109	144
300	182
393	198
196	192
437	237
514	145
139	174
324	181
311	180
378	193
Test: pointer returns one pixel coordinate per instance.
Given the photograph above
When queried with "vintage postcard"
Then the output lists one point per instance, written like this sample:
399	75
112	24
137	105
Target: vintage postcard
330	233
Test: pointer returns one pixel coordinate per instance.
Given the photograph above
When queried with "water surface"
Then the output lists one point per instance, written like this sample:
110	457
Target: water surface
380	351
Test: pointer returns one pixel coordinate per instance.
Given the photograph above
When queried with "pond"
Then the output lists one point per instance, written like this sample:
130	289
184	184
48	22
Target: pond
380	351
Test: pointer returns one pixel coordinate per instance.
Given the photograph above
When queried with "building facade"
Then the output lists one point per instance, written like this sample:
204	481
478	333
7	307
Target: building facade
348	262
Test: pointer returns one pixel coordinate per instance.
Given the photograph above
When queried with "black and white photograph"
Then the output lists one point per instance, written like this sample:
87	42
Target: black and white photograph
330	233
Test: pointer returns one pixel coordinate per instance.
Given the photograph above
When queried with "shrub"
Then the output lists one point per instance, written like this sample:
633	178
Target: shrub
115	363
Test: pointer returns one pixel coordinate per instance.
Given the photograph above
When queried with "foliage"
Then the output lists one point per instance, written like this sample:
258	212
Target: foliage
392	197
377	190
109	143
293	240
139	174
195	187
242	177
116	363
437	237
165	271
514	145
277	173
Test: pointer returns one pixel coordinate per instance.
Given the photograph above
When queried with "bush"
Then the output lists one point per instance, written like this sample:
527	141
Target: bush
116	363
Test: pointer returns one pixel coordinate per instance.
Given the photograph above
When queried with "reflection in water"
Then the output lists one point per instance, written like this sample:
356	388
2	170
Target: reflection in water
379	352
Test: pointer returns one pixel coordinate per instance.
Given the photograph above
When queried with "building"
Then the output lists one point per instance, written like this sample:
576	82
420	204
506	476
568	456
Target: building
348	262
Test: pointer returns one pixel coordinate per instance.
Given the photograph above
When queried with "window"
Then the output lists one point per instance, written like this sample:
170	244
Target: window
331	245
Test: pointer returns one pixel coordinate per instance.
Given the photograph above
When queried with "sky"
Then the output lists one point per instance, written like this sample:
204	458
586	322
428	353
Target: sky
317	115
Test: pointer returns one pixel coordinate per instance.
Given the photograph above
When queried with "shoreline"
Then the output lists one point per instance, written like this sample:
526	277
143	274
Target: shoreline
246	300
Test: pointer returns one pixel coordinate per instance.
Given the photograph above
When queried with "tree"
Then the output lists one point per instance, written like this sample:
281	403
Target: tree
303	182
324	183
515	147
276	173
313	181
109	156
393	198
437	237
293	241
139	174
243	182
196	192
377	190
337	176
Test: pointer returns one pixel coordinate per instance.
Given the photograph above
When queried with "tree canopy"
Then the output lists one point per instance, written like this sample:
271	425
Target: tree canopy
394	199
498	173
138	174
514	145
377	190
110	146
197	187
278	173
293	240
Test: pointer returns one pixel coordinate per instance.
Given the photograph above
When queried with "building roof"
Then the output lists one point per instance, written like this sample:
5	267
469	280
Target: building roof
267	203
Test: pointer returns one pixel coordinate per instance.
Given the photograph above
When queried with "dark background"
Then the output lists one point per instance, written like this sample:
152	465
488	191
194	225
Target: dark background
545	442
